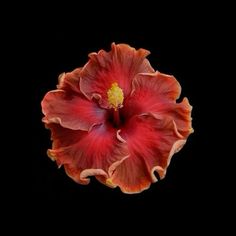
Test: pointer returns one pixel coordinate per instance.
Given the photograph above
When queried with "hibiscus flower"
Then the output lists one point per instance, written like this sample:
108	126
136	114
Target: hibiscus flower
116	119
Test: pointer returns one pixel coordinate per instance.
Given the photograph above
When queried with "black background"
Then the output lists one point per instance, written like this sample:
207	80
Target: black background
181	45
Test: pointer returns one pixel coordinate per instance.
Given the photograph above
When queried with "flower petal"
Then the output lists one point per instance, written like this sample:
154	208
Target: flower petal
71	111
90	153
156	93
120	65
164	86
151	142
62	138
70	81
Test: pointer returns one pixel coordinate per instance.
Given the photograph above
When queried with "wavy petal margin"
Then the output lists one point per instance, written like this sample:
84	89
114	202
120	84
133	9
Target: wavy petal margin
85	153
152	142
157	93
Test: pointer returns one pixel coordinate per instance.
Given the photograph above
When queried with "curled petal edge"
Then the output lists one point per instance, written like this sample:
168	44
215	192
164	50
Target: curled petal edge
177	146
82	176
161	172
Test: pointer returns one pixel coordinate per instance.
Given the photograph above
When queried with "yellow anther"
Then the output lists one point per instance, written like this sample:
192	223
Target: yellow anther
115	96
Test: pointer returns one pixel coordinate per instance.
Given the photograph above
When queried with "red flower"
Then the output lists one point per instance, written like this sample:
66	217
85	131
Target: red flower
116	119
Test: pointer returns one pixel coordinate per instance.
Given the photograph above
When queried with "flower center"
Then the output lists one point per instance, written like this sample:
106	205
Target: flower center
115	96
115	99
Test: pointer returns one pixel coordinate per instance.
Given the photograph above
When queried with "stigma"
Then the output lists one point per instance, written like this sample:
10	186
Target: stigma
115	96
